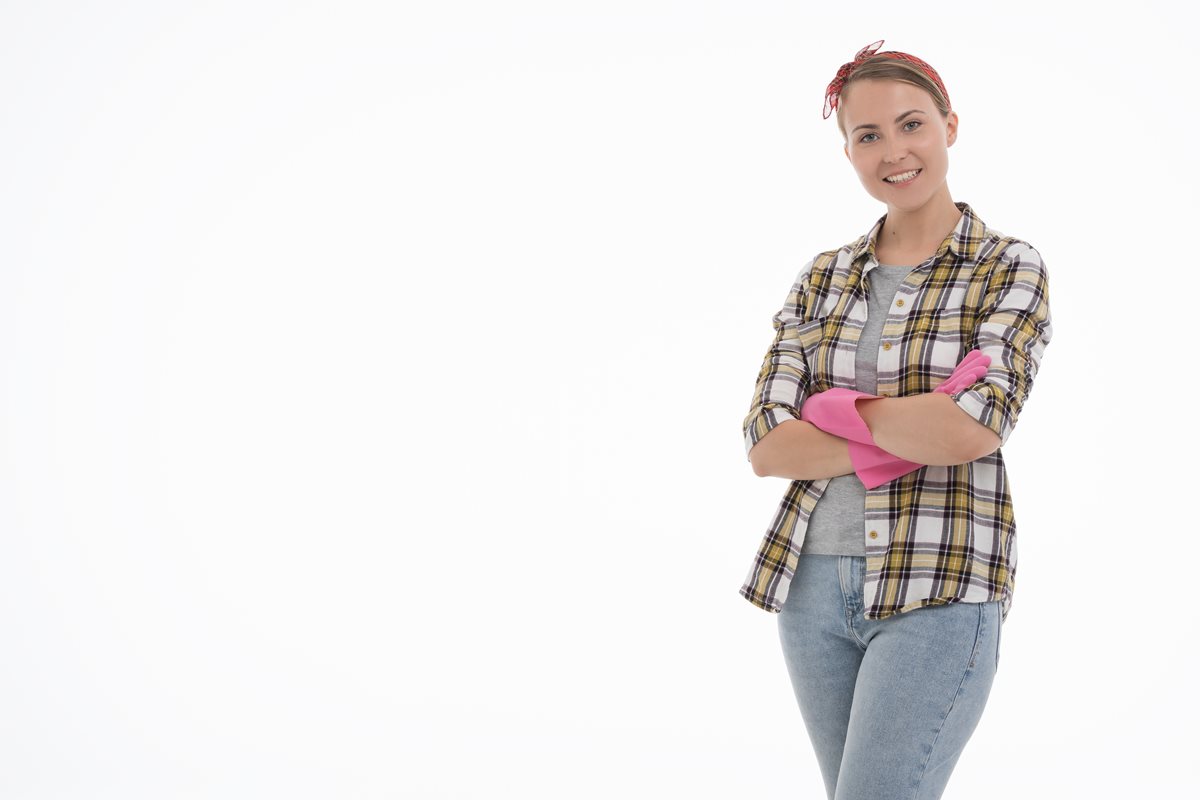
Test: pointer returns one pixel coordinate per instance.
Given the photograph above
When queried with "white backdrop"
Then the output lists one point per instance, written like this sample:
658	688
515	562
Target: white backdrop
371	379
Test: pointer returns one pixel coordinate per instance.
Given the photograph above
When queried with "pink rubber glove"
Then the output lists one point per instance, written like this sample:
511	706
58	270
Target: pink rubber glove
875	466
834	412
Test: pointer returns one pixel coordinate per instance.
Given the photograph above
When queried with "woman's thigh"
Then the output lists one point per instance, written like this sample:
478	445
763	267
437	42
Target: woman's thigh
919	694
822	656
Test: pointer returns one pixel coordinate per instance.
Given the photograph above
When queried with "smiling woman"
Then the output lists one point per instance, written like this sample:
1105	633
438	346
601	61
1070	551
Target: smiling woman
891	559
901	158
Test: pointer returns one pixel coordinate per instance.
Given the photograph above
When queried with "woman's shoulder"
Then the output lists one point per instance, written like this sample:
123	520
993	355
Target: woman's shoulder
1003	250
996	242
832	267
827	261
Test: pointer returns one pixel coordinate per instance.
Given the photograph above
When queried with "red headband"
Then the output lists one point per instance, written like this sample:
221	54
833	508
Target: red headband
833	92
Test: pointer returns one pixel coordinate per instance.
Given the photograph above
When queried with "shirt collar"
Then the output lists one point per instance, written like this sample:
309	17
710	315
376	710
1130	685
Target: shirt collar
963	241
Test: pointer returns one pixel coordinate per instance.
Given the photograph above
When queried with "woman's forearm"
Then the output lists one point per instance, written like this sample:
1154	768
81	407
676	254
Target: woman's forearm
926	428
799	450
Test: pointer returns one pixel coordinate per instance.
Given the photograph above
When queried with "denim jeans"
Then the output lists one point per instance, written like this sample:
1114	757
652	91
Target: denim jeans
889	704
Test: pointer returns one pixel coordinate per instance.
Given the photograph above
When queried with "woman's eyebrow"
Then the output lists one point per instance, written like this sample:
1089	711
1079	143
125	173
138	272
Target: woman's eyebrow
897	119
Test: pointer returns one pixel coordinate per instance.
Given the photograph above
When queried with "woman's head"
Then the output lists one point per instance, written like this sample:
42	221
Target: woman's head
889	68
894	115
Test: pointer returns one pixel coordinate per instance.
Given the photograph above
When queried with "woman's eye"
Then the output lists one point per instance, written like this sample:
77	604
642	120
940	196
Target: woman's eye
910	122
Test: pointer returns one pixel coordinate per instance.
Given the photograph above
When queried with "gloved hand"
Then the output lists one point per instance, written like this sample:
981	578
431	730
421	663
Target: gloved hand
834	412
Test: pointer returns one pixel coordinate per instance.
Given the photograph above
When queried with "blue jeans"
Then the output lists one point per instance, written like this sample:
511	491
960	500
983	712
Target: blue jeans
889	703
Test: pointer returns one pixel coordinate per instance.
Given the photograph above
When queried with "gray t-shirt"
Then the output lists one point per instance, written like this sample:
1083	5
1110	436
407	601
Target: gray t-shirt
837	524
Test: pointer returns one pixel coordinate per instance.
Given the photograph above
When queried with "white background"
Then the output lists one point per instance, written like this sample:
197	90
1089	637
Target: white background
371	379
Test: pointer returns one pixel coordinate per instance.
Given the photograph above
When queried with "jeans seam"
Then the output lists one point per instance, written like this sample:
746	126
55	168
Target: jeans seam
946	716
849	563
999	629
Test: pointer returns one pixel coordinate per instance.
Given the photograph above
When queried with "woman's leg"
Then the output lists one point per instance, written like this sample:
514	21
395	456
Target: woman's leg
822	654
920	692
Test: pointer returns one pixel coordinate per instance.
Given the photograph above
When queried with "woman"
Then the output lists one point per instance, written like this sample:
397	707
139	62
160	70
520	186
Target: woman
900	363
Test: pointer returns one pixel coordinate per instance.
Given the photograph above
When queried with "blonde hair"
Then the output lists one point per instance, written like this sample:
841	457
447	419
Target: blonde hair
894	69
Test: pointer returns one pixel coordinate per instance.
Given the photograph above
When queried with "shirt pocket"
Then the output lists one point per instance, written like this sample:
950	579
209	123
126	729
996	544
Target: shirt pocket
943	337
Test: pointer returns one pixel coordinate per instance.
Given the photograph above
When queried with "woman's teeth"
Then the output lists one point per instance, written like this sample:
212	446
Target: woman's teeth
904	177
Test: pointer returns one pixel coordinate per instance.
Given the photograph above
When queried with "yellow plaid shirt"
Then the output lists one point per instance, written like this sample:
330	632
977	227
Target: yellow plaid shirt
941	534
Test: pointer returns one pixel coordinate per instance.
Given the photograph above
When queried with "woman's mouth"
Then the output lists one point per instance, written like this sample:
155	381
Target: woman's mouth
904	178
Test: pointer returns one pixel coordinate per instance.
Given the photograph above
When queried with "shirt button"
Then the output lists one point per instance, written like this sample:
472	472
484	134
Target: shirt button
900	302
887	345
873	535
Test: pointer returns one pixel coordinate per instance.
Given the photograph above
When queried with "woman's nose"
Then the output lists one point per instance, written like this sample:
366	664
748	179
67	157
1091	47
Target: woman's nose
893	153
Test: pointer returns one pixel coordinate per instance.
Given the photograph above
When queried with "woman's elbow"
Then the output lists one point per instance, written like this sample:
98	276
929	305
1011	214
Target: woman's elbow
764	454
775	454
757	460
983	443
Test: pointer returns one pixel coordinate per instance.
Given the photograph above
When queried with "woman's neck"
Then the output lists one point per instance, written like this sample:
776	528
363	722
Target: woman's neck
908	234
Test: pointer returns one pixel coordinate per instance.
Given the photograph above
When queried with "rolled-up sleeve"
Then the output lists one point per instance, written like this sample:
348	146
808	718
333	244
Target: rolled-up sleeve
1014	328
784	376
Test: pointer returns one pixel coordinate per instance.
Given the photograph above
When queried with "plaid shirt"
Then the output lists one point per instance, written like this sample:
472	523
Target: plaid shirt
941	534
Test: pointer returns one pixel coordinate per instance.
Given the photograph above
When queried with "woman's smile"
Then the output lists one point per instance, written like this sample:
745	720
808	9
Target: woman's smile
911	178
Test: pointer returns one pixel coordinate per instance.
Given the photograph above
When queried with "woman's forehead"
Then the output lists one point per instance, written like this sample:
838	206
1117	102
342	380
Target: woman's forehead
878	101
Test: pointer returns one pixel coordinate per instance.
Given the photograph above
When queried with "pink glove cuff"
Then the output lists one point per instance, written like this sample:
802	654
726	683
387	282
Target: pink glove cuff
833	411
875	466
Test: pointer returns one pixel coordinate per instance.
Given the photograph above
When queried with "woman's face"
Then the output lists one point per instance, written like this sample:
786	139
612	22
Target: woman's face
892	127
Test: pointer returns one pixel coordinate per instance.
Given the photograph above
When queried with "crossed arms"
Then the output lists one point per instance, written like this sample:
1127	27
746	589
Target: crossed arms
1013	329
927	428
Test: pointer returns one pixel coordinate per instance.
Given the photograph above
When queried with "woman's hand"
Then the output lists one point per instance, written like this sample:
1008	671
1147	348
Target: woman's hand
833	412
973	367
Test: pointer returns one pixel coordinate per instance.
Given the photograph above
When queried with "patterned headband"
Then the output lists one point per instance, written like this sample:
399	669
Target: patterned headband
833	92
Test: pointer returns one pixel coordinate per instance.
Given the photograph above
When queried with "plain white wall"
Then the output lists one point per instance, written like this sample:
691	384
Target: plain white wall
372	375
